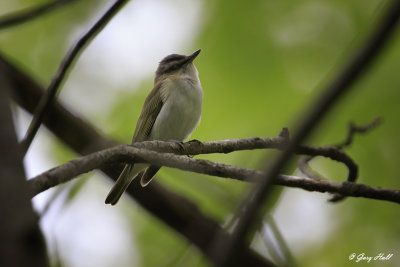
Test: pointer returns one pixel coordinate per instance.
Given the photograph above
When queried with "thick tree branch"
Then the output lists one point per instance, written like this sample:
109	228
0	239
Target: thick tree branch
19	17
174	210
67	62
129	153
21	242
249	212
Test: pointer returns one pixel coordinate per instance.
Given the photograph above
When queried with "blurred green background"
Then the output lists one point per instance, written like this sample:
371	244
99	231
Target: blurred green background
262	64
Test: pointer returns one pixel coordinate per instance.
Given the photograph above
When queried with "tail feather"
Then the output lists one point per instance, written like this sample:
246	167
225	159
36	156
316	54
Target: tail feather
148	175
124	180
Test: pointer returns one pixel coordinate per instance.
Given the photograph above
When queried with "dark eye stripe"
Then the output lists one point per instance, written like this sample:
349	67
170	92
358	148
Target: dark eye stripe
170	63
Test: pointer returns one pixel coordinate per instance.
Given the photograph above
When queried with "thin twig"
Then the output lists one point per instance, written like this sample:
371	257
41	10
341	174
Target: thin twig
23	16
67	62
129	153
334	154
305	169
353	129
249	211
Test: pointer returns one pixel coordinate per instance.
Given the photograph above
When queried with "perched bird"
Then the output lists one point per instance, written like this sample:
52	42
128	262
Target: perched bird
171	111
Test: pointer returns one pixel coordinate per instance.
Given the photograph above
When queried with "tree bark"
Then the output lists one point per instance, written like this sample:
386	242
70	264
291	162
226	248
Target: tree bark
21	242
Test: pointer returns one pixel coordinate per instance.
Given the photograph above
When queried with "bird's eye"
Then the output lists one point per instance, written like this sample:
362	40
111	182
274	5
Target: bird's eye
171	63
173	66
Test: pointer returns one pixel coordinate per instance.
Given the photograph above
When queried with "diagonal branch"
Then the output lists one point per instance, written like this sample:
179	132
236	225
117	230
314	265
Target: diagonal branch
23	16
67	62
249	213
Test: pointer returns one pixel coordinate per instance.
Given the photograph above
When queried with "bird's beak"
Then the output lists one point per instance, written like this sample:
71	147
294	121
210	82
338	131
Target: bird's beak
191	57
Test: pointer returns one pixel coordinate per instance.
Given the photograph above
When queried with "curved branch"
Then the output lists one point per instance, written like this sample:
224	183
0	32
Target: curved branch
353	129
19	17
67	62
334	154
305	169
129	153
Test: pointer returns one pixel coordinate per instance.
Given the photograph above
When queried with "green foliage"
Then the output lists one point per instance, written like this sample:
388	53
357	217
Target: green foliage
262	64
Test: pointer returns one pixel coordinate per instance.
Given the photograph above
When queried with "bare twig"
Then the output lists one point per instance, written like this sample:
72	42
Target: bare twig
306	170
63	69
334	154
346	188
353	129
249	212
129	153
23	16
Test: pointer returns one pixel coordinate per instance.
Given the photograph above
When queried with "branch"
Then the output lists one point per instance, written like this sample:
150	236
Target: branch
249	212
67	62
353	129
130	153
334	154
23	16
229	145
174	210
348	189
21	242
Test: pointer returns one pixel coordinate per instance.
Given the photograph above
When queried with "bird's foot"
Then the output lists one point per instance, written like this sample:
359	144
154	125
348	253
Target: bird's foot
195	141
179	143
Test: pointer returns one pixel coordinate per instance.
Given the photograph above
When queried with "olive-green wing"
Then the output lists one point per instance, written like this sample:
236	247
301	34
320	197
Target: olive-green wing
151	108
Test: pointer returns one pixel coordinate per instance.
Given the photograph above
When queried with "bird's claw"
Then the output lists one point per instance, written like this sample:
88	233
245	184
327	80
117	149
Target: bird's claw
179	143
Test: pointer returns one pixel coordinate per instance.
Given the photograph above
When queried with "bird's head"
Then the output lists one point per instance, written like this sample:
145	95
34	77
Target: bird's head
175	64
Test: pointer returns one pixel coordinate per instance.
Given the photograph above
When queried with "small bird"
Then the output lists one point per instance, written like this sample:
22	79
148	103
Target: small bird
171	111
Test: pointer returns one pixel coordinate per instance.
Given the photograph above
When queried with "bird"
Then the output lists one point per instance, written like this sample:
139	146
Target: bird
171	112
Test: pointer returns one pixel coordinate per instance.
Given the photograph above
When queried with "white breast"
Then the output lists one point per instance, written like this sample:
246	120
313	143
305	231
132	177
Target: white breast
181	111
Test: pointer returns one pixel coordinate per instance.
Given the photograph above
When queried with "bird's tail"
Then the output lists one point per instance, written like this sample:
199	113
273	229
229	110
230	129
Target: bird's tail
124	180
